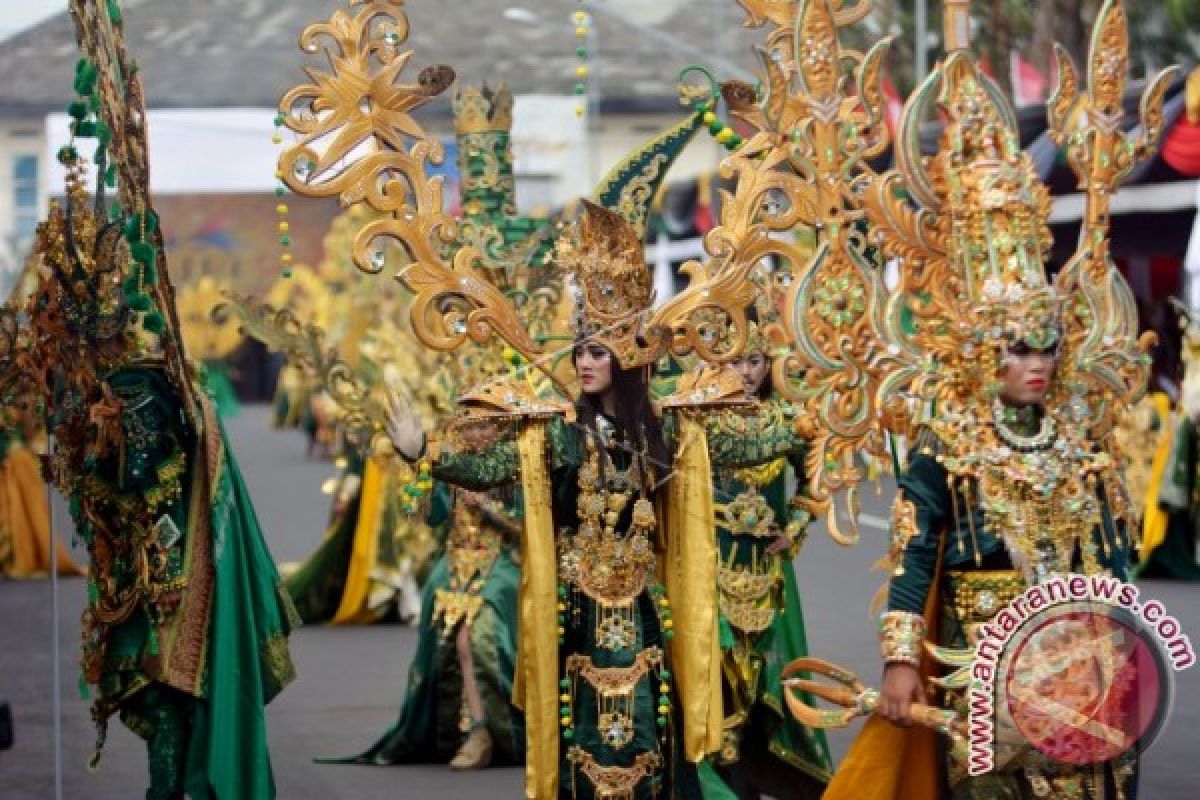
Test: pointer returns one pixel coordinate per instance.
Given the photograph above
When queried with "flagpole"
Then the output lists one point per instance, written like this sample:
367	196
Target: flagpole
922	48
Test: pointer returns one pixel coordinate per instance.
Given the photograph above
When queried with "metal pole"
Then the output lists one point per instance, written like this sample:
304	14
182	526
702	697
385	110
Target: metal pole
55	666
922	48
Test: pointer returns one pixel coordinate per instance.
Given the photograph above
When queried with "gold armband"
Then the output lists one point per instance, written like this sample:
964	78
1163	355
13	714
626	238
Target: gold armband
901	636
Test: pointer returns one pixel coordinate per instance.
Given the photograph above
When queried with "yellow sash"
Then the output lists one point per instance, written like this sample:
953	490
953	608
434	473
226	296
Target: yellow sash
535	688
691	578
363	553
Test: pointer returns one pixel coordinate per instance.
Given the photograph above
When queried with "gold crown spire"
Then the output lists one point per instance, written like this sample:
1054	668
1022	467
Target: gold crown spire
483	110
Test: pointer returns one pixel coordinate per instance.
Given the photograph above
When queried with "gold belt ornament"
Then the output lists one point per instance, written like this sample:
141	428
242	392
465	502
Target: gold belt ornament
744	596
614	783
615	689
749	514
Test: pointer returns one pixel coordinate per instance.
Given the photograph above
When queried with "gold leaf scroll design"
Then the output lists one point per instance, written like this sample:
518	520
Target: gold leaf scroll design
832	312
783	12
281	331
357	103
1111	363
441	290
724	284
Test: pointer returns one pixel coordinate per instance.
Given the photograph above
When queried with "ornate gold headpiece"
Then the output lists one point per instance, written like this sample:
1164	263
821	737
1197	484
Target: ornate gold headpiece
614	290
990	208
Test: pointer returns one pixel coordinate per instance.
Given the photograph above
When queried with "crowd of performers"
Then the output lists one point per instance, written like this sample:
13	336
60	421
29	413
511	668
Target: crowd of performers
588	499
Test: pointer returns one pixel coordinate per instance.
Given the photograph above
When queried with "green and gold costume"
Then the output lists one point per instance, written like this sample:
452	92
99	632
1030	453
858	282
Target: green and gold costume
474	583
761	617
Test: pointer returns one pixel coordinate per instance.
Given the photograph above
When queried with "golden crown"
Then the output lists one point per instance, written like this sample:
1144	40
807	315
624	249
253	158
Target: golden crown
483	110
604	255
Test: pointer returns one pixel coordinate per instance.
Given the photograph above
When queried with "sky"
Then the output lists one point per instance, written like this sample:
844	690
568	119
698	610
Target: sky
17	15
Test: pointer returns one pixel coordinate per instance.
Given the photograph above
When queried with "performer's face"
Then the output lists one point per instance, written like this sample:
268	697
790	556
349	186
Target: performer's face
1027	373
753	371
593	363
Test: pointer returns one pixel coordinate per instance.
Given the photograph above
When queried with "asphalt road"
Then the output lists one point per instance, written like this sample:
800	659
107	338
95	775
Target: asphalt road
350	679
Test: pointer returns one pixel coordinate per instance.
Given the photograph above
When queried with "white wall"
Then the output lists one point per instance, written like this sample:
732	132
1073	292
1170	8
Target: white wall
17	138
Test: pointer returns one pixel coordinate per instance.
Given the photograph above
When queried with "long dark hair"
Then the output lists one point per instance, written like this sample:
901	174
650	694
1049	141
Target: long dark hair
633	417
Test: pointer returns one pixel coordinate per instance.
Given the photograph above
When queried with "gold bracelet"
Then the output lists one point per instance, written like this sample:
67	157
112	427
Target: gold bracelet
901	634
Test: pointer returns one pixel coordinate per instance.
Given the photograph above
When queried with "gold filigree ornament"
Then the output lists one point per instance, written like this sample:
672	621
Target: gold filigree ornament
614	783
615	691
965	231
358	398
358	105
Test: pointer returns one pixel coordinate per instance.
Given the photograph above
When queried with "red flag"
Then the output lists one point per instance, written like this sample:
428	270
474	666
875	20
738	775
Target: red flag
1029	85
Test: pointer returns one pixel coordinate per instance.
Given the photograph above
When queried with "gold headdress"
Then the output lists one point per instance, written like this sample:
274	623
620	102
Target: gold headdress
613	287
964	230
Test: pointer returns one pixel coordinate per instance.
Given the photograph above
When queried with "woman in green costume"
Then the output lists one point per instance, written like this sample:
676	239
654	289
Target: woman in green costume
633	700
760	526
461	678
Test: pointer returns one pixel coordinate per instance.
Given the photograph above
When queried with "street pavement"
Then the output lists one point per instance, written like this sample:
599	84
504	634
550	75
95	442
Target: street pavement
351	679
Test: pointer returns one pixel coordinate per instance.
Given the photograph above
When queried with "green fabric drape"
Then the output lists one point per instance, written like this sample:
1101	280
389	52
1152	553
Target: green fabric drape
248	660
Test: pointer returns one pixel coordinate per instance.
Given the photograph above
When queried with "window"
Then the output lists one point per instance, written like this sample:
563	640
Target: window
25	200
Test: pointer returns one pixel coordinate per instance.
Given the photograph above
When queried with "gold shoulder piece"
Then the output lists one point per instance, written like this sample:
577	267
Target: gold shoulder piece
707	388
511	398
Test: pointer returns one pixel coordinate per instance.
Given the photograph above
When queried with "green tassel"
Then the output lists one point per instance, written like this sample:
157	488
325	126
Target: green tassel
133	228
85	77
103	134
110	176
67	155
143	253
152	641
77	109
140	302
149	274
151	220
84	692
154	323
114	12
133	280
85	128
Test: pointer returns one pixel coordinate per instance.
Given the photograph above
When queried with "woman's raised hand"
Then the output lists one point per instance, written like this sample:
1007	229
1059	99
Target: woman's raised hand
401	424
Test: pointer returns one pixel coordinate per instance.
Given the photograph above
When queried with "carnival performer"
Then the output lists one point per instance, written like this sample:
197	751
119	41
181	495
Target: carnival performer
1171	549
25	535
760	527
367	568
184	634
1011	476
619	490
458	704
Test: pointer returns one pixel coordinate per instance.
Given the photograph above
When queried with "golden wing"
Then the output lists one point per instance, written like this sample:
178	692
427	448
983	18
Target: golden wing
1113	362
359	141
